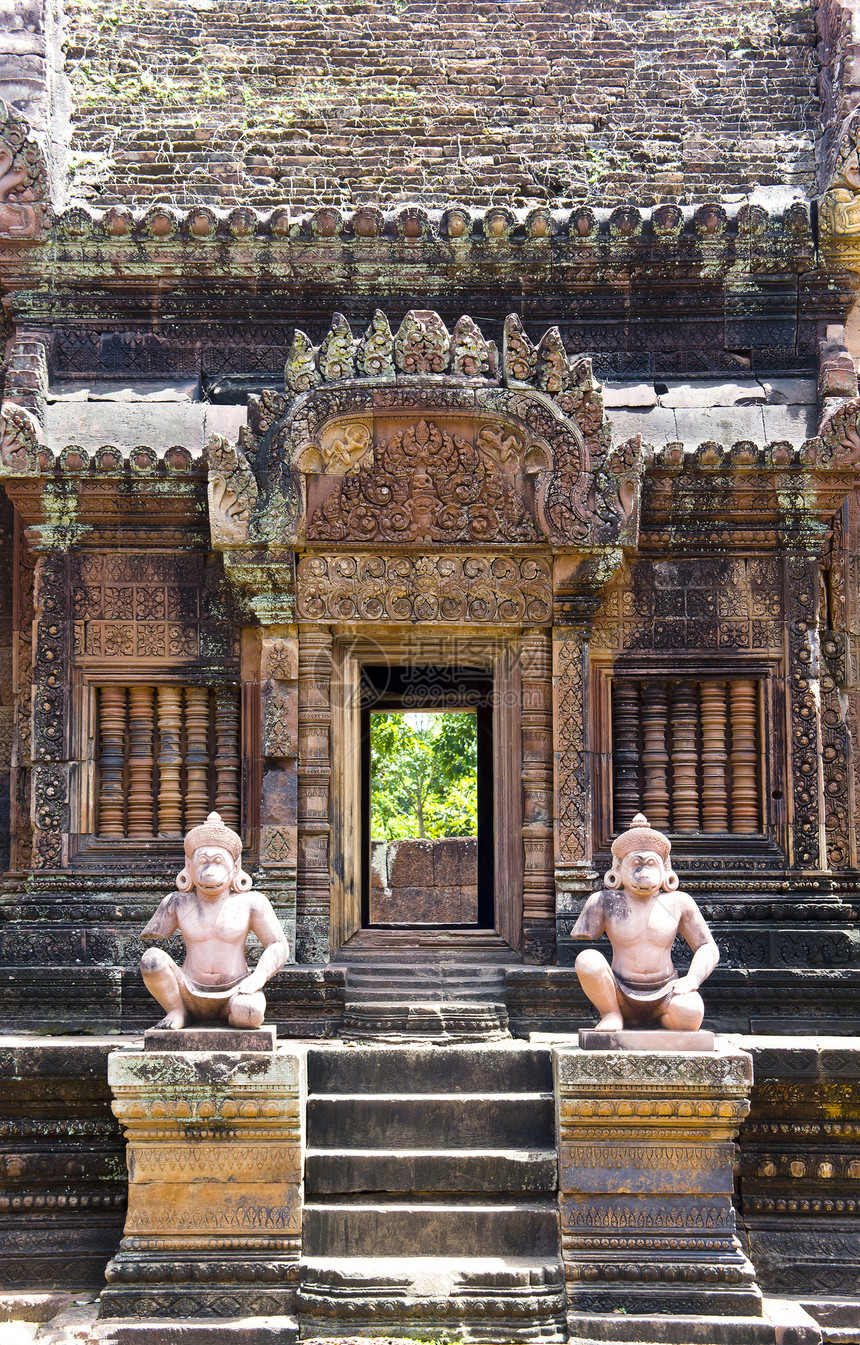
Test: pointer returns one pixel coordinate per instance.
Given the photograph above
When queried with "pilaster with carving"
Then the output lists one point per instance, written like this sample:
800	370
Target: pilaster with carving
538	871
50	732
313	898
803	668
279	720
20	820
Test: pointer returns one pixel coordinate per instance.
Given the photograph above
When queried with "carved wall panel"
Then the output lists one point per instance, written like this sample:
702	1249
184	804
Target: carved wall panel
23	179
143	606
348	587
694	604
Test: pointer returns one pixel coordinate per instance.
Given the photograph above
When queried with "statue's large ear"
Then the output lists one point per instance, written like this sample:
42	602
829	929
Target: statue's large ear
612	878
242	881
670	880
183	880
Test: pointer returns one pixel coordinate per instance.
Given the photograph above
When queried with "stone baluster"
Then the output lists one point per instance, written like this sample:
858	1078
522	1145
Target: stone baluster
227	756
712	701
685	756
625	753
743	702
141	733
655	756
112	730
196	755
169	761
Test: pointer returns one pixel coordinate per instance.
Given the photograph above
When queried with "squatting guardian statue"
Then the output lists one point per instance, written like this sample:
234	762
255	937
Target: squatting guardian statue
641	911
214	910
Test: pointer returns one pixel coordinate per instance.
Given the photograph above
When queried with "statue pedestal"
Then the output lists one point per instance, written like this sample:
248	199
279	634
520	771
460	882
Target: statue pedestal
645	1189
213	1228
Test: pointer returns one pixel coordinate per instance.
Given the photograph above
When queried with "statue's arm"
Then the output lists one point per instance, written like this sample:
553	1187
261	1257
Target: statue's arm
706	954
165	921
591	923
276	950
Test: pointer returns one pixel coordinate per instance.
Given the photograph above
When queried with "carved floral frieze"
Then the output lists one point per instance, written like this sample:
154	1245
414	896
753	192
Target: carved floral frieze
416	588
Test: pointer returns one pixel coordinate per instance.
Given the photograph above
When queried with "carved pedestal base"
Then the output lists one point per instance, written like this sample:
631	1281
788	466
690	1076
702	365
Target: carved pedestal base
645	1184
213	1228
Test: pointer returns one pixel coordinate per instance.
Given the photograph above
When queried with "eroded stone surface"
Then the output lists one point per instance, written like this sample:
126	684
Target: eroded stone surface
215	1168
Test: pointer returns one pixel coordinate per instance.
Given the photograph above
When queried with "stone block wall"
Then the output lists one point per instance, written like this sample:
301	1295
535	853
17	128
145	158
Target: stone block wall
425	881
531	102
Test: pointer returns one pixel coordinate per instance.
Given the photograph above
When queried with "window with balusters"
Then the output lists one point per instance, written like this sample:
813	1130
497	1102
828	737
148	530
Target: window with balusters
687	753
166	756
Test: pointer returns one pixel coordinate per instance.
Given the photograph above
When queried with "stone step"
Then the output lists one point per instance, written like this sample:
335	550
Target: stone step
501	1171
437	1022
472	1298
452	1121
506	1067
365	1228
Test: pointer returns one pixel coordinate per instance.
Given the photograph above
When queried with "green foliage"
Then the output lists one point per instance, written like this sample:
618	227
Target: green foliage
423	775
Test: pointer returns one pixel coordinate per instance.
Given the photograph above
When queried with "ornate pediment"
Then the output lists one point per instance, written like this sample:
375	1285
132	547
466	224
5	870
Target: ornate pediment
426	437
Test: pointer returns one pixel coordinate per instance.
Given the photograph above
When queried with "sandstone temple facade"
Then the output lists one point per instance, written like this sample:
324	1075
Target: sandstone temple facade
522	376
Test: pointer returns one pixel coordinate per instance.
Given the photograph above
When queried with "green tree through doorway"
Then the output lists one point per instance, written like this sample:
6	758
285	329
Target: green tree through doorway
423	775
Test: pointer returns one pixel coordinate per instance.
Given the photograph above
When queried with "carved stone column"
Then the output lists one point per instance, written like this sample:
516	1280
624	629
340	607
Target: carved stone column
314	804
279	721
23	616
572	806
805	747
578	586
51	654
538	876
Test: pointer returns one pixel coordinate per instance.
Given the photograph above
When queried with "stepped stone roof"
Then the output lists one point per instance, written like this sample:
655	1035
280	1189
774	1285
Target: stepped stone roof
532	102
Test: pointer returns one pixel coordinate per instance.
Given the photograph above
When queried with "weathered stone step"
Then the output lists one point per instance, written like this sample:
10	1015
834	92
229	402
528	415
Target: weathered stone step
388	1228
503	1171
509	1067
462	1121
458	1297
437	1022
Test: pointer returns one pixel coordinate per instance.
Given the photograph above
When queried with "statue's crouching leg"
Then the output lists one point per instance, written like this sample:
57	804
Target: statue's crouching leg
247	1010
160	976
685	1013
596	979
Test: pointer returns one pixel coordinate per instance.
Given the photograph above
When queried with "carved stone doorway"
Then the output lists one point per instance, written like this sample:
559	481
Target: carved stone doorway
447	881
493	659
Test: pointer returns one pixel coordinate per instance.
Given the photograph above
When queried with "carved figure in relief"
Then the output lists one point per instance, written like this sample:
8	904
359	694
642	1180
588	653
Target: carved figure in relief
214	910
641	911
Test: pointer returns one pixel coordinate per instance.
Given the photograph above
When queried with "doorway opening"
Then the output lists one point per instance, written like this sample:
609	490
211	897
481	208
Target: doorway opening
427	798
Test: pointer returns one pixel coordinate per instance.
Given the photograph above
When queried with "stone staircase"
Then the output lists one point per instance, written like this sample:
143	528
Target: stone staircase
430	1186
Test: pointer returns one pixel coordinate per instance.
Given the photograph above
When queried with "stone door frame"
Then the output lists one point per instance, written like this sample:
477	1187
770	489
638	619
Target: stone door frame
493	649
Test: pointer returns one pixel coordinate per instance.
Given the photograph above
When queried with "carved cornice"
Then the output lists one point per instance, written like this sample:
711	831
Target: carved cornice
324	246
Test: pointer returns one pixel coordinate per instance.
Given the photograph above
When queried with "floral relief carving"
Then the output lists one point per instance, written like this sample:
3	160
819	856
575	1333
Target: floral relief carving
425	588
424	484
